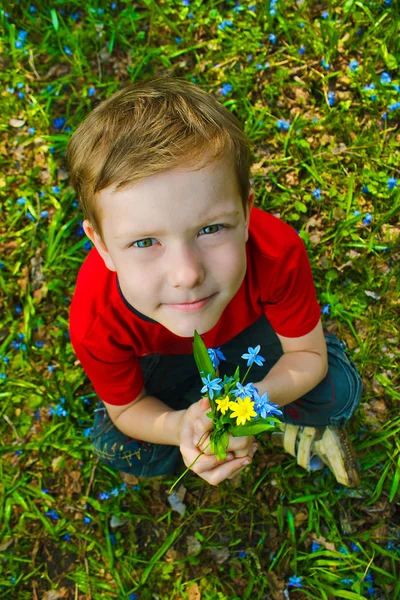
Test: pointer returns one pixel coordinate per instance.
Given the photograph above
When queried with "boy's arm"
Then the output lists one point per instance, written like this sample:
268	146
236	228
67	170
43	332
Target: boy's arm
302	367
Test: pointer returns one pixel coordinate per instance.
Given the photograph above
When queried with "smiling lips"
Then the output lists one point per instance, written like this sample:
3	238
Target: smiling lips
191	306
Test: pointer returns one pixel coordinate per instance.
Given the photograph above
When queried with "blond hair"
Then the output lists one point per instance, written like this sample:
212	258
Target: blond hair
149	127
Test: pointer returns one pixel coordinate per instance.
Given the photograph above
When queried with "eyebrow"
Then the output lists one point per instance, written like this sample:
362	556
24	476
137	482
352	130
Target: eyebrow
218	217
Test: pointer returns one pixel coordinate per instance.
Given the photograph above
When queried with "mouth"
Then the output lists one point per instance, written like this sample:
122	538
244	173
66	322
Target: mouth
191	306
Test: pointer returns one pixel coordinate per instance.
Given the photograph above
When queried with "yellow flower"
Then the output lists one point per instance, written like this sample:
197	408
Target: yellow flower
243	410
223	404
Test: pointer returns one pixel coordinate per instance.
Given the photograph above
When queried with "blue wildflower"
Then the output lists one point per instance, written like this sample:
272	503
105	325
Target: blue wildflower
243	391
216	356
178	40
317	193
104	496
301	50
88	431
252	356
385	78
391	183
112	538
343	550
369	87
367	219
325	310
346	581
264	407
356	213
282	124
294	581
225	23
353	65
185	2
115	492
134	596
325	14
365	189
211	385
354	547
87	245
371	590
67	537
59	122
21	201
315	547
272	38
226	88
87	520
44	214
242	554
56	189
32	9
91	91
394	106
31	130
331	98
396	87
67	51
53	515
369	578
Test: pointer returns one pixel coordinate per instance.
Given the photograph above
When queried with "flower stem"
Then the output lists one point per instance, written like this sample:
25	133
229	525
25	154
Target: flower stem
188	469
247	372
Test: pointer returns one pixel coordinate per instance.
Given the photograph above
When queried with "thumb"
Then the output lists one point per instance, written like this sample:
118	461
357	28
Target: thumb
205	404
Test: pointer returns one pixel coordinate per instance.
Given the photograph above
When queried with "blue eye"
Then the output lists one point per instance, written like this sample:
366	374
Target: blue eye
142	243
211	227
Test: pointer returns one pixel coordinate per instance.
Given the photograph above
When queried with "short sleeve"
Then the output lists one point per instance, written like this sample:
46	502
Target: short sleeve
288	291
115	373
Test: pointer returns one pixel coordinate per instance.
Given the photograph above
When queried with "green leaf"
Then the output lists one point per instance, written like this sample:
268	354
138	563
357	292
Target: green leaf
250	429
300	206
202	358
54	19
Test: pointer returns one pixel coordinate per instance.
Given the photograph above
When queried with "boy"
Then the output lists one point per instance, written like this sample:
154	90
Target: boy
161	170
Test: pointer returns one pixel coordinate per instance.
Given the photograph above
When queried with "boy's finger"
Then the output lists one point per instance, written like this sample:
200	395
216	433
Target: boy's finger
227	470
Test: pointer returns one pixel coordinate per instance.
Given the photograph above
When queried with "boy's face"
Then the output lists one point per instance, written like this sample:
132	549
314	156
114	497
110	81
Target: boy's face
174	239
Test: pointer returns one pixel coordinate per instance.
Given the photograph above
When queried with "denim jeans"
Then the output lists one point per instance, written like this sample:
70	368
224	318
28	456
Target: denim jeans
174	379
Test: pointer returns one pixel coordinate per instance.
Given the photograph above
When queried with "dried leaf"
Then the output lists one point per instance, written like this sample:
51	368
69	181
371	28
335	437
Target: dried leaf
220	555
322	542
194	592
193	545
16	122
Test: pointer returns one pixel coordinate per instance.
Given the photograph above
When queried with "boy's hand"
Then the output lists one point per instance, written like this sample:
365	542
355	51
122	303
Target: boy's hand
194	427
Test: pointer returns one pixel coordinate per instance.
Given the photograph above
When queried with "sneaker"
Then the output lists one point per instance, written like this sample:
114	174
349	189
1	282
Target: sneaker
315	447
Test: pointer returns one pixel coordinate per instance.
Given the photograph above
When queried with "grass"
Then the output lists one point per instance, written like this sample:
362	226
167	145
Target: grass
247	538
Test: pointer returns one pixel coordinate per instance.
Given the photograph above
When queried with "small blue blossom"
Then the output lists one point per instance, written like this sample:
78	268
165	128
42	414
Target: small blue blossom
39	344
346	581
32	9
104	496
185	2
301	50
87	520
44	214
21	201
367	219
243	554
252	356
369	87
75	16
264	407
385	78
59	122
343	550
135	596
272	38
354	547
87	245
391	183
325	14
369	578
282	124
226	88
365	189
67	537
264	66
315	547
371	590
115	492
225	23
353	65
53	515
91	91
294	581
88	431
331	98
112	539
211	385
178	40
242	391
56	189
67	51
216	356
356	213
396	87
394	106
31	130
51	368
317	193
325	310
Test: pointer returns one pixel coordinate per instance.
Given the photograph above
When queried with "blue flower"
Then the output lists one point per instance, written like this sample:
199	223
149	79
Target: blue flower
226	88
343	550
394	106
53	515
346	581
385	78
325	14
91	91
211	385
87	520
225	23
354	547
112	539
59	122
185	2
31	130
367	219
315	547
325	310
104	496
365	189
301	50
135	596
32	9
115	492
369	578
353	65
295	582
67	537
216	356
331	98
44	214
264	407
87	245
21	201
88	431
317	193
391	183
242	554
67	51
282	124
243	391
56	189
369	87
272	38
252	357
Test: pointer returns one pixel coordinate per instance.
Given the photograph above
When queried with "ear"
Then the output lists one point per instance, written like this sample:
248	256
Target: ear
100	247
249	206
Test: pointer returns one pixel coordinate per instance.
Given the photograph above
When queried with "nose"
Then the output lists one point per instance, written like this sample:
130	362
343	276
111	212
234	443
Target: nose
185	267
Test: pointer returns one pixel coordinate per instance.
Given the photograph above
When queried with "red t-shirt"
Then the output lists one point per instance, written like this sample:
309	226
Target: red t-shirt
109	335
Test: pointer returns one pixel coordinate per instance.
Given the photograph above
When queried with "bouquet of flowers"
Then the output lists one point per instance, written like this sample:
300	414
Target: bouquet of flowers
236	409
